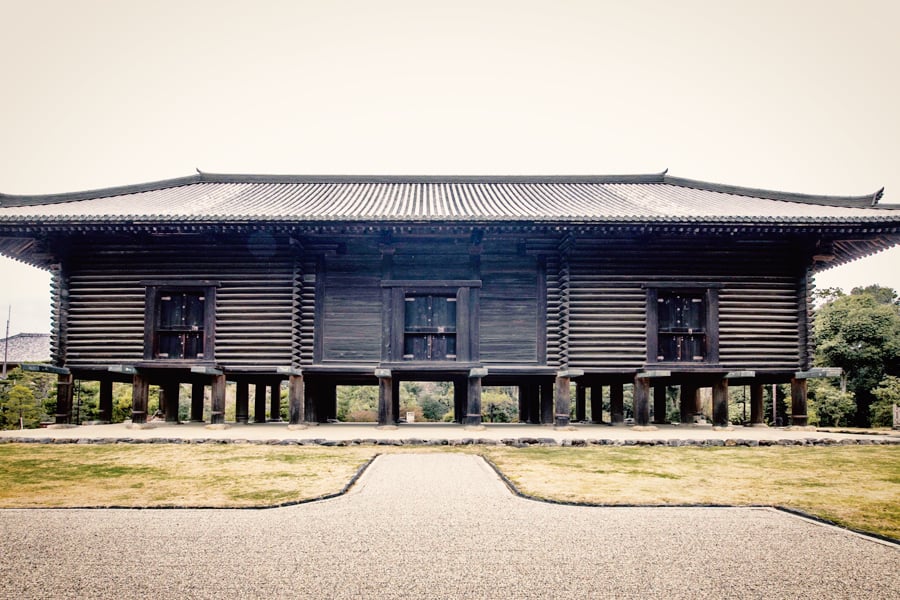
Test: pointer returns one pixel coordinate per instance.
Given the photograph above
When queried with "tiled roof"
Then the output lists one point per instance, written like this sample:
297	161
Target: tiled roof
205	198
26	347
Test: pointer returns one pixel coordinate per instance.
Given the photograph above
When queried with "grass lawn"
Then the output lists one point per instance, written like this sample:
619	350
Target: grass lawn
856	486
33	475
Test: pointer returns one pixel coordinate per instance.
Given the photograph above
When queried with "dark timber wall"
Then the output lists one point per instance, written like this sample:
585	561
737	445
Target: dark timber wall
254	303
760	326
559	300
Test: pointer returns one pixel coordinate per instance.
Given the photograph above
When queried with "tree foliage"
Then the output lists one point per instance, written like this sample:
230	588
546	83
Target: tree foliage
861	334
832	407
887	394
27	395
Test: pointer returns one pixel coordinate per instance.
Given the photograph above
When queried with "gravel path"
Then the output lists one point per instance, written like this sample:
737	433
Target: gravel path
437	526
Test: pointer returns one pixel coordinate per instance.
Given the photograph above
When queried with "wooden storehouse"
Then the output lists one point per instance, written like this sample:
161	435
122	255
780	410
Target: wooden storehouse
535	282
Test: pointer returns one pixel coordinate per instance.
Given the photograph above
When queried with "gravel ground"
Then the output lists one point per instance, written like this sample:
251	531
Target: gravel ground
437	526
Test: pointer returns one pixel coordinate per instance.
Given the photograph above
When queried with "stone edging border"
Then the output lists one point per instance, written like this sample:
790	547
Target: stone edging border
791	511
520	442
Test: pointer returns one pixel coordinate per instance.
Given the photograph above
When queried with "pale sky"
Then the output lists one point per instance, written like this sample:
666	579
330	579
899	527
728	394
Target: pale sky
800	96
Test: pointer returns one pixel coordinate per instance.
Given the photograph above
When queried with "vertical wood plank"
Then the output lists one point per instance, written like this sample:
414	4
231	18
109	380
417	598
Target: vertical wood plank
563	402
799	417
217	403
106	400
757	404
641	401
659	404
140	391
546	396
197	391
720	403
275	402
385	400
473	405
580	402
242	402
617	403
259	404
688	402
296	400
596	404
169	400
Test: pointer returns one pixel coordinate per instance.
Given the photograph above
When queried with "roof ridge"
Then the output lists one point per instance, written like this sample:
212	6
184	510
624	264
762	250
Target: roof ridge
865	201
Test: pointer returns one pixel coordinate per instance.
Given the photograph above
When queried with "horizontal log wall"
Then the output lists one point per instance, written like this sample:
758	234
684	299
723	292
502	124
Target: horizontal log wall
254	302
760	326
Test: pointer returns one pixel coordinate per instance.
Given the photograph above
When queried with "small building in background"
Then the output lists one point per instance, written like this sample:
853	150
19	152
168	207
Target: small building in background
23	348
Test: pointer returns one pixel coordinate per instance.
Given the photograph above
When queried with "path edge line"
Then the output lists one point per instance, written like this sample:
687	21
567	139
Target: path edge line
784	509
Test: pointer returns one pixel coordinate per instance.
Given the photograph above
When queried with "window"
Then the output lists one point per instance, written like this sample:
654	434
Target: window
682	325
429	327
430	320
179	321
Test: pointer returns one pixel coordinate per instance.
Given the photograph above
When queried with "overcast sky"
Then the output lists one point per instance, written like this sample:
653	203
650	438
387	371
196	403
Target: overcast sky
789	95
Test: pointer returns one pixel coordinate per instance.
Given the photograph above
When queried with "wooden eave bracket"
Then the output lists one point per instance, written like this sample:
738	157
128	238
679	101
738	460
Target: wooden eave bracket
383	373
478	373
46	369
740	374
124	369
653	374
288	371
570	373
201	370
819	372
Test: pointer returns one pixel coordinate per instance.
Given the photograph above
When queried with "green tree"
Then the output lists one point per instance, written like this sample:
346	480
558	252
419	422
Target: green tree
832	407
887	394
861	334
20	409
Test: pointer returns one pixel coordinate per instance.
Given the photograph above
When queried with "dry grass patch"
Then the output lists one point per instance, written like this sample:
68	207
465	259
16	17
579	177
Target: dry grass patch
171	475
857	487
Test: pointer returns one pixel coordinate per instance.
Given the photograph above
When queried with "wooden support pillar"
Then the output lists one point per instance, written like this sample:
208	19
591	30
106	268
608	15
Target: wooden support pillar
660	405
140	393
275	402
617	403
534	404
757	405
690	396
720	403
473	403
242	402
169	400
197	392
596	404
217	403
395	395
106	400
799	418
65	388
580	403
296	400
385	397
563	401
523	404
310	402
460	395
547	403
641	401
259	403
